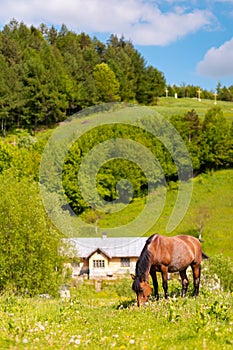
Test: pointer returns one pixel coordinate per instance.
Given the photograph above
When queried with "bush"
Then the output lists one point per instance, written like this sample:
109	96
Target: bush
30	262
218	270
122	287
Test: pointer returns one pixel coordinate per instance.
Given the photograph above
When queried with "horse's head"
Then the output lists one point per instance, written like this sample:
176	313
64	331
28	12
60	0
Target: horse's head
141	288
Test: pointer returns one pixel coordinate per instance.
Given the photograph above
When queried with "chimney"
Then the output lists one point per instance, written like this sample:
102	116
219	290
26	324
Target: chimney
104	235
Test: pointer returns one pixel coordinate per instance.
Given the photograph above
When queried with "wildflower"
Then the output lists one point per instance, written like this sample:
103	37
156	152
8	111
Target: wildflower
131	341
75	339
39	326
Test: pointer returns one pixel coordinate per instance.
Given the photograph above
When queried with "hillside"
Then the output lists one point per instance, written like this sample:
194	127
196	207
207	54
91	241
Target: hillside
211	207
170	106
48	74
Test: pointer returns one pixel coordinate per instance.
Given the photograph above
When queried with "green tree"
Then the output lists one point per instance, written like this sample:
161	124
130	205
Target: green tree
155	85
189	127
106	83
215	140
119	55
6	156
30	262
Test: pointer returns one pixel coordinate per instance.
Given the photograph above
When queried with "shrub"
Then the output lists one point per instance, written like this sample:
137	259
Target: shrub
218	269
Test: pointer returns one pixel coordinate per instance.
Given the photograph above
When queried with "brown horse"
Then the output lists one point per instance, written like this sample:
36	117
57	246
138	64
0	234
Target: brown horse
167	254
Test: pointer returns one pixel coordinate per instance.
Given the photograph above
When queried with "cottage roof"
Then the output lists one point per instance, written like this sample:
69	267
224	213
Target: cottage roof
112	247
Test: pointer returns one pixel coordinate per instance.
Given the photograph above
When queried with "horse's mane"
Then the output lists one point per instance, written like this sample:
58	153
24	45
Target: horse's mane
142	264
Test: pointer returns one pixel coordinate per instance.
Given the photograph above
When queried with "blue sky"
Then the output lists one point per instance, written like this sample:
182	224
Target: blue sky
191	42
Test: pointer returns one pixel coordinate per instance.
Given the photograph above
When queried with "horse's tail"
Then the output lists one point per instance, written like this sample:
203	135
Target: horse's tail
204	256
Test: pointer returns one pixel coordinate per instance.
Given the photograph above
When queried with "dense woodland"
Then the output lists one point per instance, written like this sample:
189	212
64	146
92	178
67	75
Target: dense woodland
47	74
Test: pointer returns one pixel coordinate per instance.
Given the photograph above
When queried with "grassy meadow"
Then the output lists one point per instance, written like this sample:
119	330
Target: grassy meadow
170	106
110	319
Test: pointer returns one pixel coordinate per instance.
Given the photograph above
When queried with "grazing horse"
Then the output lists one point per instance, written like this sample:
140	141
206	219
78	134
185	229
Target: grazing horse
167	254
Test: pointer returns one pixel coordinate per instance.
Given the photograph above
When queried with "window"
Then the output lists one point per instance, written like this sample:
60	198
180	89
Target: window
99	263
125	262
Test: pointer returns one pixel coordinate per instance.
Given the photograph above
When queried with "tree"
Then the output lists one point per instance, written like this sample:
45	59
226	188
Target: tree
30	262
189	127
106	83
194	126
201	218
224	93
80	56
6	156
119	55
215	140
155	84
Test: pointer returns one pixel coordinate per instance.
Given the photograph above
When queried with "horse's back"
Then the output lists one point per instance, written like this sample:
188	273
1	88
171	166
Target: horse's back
194	244
176	252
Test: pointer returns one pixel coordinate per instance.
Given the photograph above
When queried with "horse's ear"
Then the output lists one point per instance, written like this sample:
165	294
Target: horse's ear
143	278
132	276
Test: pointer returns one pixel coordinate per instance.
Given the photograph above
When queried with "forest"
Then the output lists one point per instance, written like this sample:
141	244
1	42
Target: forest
209	143
47	74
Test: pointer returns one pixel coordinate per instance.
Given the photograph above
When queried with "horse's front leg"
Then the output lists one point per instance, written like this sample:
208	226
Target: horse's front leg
155	282
164	272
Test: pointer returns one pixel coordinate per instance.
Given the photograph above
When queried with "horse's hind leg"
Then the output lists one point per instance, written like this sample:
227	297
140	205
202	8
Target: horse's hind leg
164	271
185	282
196	278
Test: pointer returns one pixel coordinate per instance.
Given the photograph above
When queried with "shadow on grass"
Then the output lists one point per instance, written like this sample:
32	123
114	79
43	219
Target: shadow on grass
174	293
126	304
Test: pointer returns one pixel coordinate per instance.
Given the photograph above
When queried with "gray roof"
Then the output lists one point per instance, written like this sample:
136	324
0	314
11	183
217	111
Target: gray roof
111	247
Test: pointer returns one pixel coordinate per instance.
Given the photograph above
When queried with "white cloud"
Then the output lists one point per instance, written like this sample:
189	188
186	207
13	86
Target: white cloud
139	20
217	62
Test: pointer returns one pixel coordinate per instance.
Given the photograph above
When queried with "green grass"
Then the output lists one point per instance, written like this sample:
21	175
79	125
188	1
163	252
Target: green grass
211	204
171	106
107	320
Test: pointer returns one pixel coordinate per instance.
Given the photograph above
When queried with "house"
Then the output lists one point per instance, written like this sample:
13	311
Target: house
106	256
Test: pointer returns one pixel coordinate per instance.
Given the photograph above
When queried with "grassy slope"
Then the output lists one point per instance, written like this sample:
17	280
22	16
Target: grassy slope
211	203
212	198
212	195
170	106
